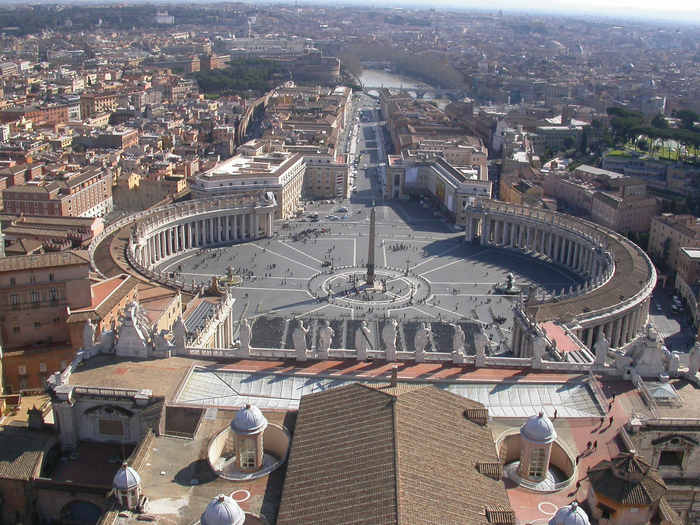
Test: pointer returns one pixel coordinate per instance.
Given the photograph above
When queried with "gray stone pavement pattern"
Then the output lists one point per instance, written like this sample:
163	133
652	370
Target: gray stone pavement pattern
461	275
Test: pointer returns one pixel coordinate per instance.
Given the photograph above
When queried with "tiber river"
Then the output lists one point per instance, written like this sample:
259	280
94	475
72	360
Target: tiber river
380	77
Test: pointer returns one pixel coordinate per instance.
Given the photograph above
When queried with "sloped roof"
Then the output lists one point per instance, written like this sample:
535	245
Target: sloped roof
628	480
44	260
390	455
22	451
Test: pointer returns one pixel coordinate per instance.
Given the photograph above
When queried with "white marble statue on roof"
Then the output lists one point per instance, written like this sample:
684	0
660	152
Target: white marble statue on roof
299	339
245	333
389	333
325	336
89	335
160	343
481	343
649	357
420	341
132	334
458	337
600	348
179	333
105	341
362	341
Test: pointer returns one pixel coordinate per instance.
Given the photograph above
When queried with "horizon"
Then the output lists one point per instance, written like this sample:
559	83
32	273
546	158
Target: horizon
683	12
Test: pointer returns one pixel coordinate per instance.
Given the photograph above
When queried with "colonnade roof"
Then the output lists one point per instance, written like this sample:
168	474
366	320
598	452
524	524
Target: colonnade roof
632	272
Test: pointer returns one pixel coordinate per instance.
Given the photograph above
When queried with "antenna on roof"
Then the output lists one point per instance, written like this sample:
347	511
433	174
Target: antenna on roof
394	375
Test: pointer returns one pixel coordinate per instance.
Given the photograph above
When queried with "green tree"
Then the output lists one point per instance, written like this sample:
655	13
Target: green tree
569	142
659	121
688	118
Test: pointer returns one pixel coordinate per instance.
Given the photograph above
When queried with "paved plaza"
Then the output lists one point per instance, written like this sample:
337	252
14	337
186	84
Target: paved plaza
427	268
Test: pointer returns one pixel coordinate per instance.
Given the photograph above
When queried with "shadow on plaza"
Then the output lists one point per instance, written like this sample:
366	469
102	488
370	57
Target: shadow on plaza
489	263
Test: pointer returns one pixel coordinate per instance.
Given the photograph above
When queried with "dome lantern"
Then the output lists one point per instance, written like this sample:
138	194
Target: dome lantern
222	510
248	427
127	486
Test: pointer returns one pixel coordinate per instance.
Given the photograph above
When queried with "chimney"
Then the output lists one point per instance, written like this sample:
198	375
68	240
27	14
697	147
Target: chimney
394	375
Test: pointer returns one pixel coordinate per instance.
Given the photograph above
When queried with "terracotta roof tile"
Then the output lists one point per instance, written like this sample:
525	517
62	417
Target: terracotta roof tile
397	455
627	479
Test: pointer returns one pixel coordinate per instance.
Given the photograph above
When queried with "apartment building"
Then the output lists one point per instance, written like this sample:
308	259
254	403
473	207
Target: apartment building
87	193
93	104
280	173
38	292
683	232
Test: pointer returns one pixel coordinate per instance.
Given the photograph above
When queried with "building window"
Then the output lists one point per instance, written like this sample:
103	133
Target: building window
671	458
52	277
247	451
37	324
42	367
33	296
56	320
12	281
22	370
32	279
111	427
537	457
15	329
14	298
53	294
63	365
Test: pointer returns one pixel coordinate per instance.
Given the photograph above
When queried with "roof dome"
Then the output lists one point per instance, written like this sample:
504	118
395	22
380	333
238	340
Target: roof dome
539	429
249	420
126	478
570	515
222	510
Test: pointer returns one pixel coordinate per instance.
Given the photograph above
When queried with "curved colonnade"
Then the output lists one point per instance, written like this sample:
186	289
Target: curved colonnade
619	276
166	231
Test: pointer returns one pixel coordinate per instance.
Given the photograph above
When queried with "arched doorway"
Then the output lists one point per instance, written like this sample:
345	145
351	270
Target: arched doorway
82	511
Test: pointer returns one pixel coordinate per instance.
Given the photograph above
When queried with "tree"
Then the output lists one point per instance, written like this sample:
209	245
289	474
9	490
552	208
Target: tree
584	142
659	121
569	142
687	118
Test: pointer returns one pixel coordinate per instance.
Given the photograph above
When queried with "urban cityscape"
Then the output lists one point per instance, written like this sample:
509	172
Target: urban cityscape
312	264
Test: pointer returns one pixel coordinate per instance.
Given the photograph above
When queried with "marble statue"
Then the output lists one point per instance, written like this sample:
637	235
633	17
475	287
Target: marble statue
245	337
179	333
362	341
457	338
325	336
481	344
420	341
694	359
389	337
299	339
106	340
160	343
89	335
600	348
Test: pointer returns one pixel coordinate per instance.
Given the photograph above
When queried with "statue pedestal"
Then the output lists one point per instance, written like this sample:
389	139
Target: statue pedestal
458	358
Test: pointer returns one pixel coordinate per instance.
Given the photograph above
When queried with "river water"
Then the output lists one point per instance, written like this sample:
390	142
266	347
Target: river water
387	79
379	77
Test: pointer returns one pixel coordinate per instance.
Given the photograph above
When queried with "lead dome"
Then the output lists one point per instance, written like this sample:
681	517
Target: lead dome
539	429
249	420
570	515
222	510
126	478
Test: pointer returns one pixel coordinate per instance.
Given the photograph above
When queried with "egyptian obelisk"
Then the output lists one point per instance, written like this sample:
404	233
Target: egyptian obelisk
370	256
